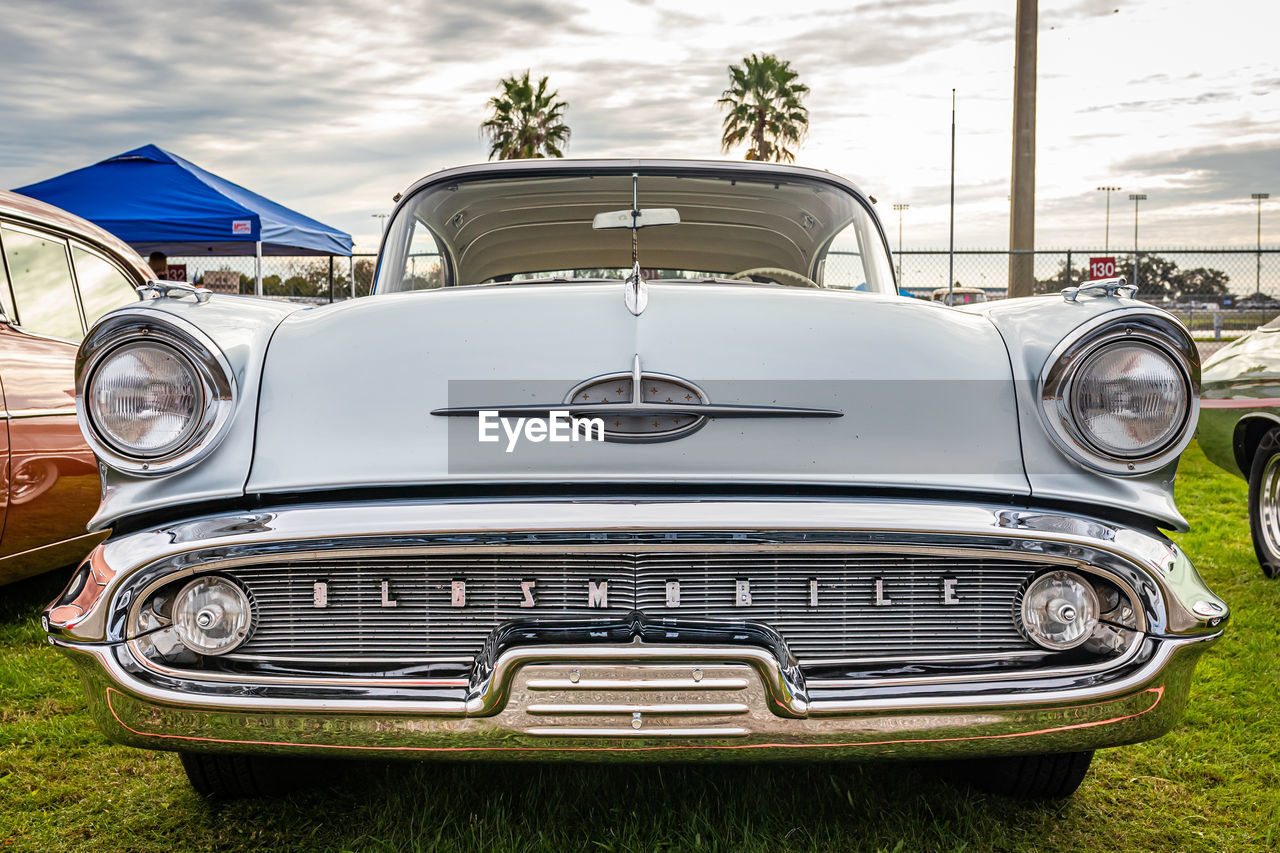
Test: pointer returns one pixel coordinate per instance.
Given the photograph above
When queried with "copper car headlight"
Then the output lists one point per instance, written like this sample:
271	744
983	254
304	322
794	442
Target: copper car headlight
152	395
1123	396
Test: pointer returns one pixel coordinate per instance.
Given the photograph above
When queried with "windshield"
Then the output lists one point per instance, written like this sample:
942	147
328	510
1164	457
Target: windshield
753	227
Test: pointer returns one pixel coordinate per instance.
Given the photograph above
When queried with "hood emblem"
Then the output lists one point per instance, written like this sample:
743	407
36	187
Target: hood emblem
637	399
641	406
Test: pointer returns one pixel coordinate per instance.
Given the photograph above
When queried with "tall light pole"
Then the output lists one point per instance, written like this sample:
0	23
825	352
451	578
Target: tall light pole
1135	198
1022	214
1259	198
1106	242
900	208
382	221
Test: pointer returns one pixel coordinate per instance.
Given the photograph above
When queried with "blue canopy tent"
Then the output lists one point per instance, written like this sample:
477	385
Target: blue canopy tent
158	202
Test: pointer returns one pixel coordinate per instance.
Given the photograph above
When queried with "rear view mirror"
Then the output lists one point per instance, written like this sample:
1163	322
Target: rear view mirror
637	219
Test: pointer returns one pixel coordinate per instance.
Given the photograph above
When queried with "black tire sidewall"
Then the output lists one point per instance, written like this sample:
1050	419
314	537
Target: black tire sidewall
1269	447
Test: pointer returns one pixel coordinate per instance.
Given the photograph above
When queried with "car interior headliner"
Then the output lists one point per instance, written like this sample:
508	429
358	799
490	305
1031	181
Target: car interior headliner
493	227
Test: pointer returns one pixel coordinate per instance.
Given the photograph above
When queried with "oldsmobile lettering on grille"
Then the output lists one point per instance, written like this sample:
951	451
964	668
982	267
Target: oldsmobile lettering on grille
595	593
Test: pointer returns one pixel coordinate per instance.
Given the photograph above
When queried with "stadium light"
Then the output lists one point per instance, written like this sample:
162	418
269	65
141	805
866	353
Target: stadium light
900	208
1106	243
1257	282
1135	198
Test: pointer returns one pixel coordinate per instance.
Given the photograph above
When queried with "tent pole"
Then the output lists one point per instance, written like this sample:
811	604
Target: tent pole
257	268
351	269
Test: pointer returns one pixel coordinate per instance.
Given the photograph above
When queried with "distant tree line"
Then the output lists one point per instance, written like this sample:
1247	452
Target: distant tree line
314	281
1158	277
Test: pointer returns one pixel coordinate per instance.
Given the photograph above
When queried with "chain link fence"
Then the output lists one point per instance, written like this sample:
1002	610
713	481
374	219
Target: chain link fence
1212	290
305	279
1224	277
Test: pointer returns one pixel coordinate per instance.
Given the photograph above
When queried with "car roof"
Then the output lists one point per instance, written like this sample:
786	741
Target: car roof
754	168
21	208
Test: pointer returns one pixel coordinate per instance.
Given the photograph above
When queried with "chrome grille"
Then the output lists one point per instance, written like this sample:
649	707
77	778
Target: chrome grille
845	623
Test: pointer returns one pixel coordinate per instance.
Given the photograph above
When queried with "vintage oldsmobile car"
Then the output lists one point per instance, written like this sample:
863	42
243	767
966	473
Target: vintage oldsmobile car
1240	429
637	460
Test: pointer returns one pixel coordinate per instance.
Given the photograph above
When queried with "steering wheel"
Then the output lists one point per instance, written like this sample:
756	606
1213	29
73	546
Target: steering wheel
777	274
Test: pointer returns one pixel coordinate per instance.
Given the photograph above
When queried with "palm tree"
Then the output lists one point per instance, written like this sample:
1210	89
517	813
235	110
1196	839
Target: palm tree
527	121
765	106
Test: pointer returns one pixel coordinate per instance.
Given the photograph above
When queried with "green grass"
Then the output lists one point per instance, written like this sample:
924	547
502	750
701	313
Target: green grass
1212	784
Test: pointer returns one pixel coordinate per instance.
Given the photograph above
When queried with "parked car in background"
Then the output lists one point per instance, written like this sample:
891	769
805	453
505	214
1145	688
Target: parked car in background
1256	301
58	274
1240	429
562	508
959	295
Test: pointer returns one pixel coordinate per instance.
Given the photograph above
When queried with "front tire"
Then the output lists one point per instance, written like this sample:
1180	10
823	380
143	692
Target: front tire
1030	777
1264	503
236	777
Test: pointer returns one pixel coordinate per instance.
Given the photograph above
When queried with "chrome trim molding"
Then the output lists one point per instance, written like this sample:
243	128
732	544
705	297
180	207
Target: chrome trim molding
635	406
19	414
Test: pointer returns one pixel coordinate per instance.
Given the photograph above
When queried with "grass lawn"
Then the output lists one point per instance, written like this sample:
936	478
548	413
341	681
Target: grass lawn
1213	784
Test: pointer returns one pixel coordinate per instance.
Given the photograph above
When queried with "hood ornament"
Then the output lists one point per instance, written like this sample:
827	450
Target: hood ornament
1101	287
635	291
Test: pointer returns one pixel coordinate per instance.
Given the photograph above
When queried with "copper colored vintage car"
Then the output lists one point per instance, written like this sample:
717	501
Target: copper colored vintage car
58	274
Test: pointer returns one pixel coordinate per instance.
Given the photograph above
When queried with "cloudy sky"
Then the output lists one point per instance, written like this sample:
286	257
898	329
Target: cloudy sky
332	107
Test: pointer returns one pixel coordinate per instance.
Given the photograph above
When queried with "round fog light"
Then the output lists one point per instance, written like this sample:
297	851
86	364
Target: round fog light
1059	611
212	616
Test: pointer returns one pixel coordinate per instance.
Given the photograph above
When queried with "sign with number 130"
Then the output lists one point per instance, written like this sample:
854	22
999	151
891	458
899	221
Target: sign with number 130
1102	268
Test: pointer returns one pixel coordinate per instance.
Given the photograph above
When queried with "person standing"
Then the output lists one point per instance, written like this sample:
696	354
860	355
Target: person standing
159	265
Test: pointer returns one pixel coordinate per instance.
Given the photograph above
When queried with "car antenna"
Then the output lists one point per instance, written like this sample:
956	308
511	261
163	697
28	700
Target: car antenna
635	291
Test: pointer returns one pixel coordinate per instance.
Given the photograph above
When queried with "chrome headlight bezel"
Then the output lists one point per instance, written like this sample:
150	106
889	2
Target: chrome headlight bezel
1161	334
218	389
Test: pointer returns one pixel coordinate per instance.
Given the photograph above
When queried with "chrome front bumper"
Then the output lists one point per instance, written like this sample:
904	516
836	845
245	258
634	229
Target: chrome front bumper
646	697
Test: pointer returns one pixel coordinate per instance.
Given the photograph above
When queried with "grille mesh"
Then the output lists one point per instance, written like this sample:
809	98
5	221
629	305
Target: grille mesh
424	626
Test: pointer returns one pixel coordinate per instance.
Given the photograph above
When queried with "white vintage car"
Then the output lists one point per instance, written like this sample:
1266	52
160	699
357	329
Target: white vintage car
637	460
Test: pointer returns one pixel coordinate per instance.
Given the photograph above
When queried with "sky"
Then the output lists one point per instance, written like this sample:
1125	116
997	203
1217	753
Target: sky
333	107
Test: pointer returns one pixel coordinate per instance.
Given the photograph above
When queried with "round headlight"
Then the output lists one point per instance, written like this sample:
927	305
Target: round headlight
145	399
1058	611
212	616
1129	400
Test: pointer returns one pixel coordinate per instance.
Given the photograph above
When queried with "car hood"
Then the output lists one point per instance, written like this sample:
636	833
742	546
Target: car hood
350	395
